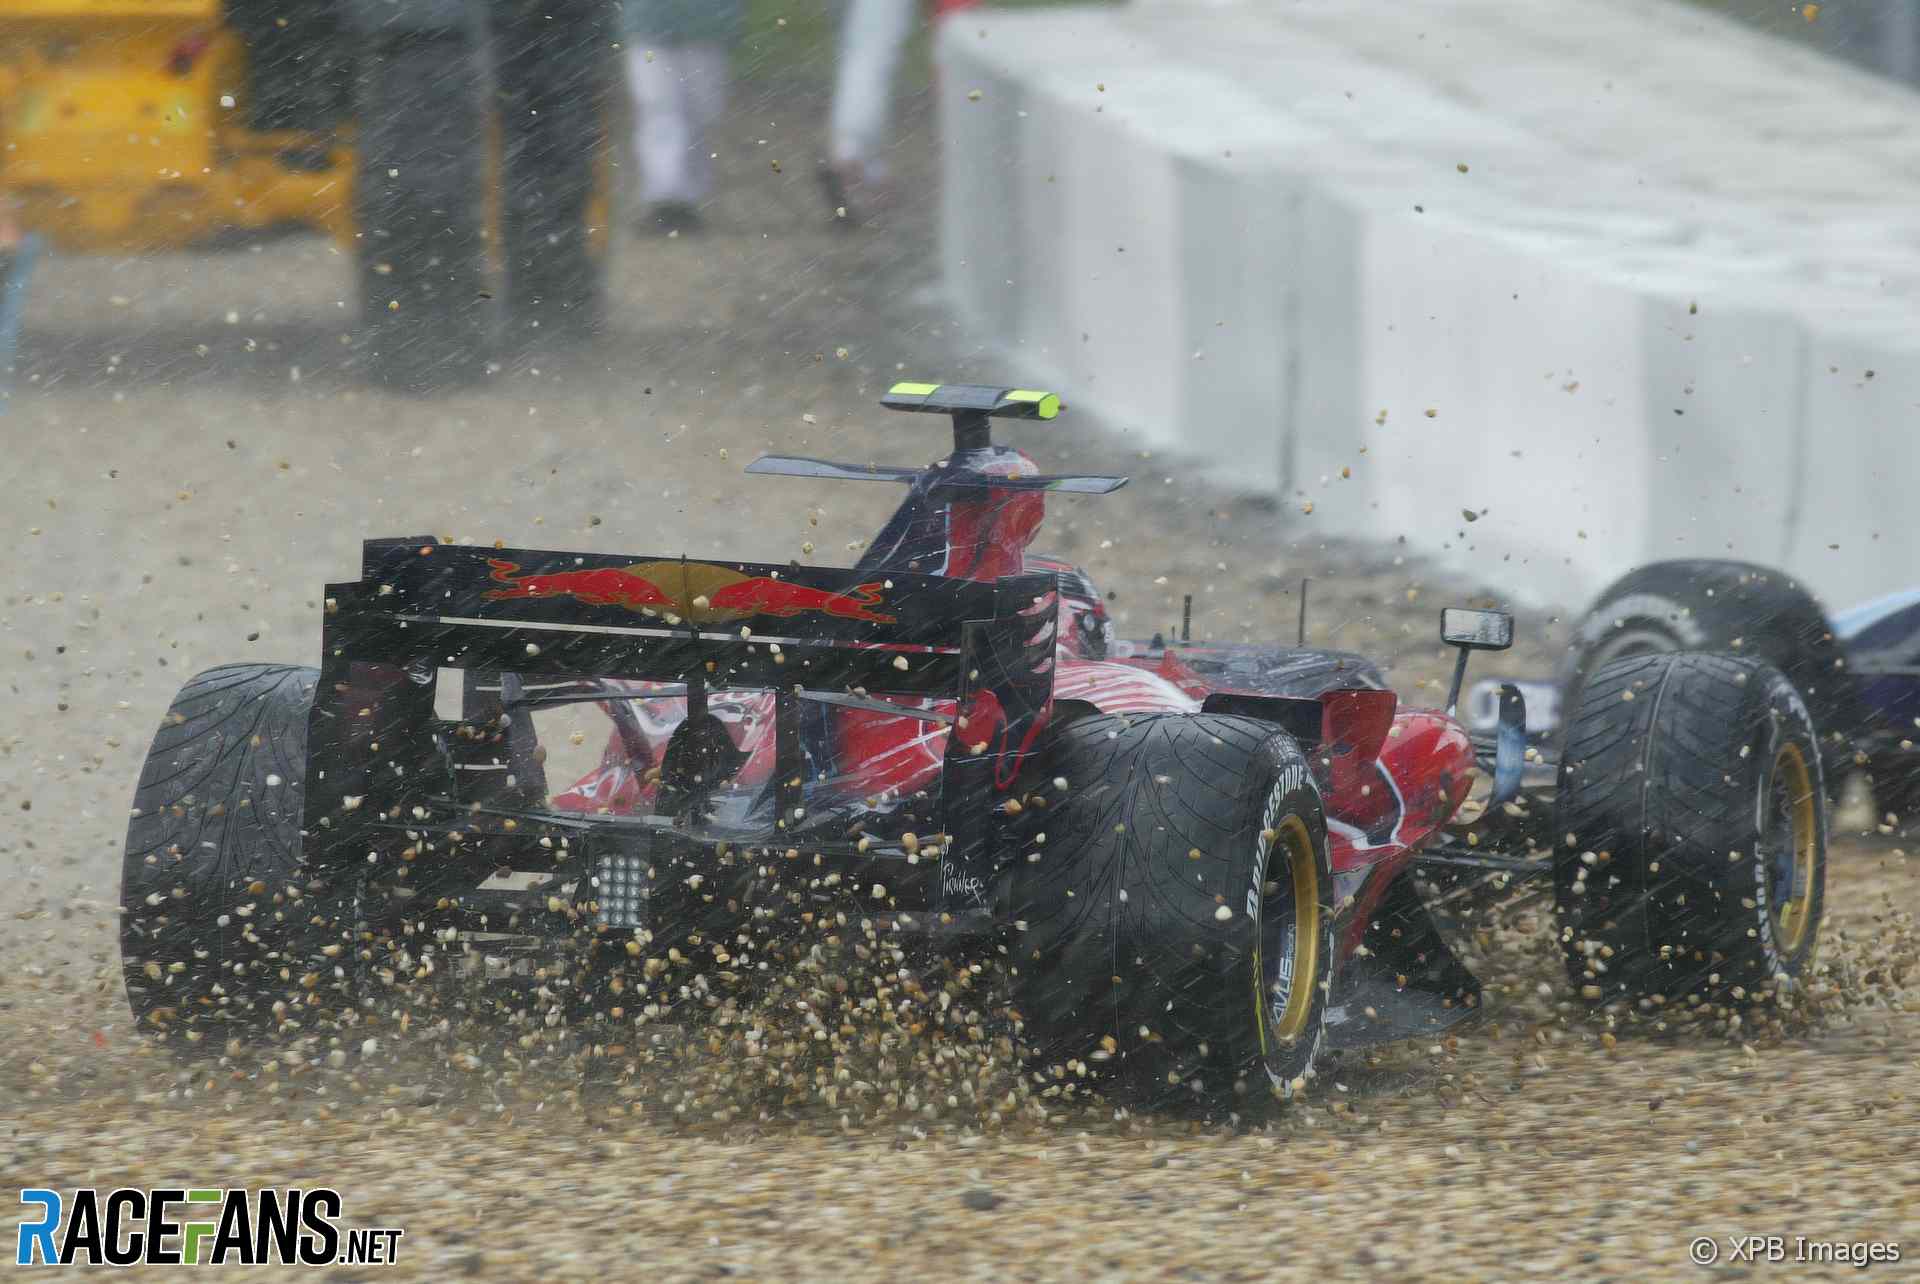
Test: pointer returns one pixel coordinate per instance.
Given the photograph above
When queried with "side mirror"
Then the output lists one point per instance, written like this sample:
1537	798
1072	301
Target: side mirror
1472	631
1476	630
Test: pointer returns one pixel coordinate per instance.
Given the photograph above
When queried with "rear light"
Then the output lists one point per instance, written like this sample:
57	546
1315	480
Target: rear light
623	891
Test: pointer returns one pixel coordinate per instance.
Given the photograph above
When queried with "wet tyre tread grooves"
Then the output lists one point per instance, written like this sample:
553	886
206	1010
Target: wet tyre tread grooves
1774	618
210	757
1663	786
1165	961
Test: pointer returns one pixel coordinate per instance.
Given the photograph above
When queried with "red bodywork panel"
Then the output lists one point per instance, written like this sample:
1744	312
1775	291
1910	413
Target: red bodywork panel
1427	766
890	756
1389	779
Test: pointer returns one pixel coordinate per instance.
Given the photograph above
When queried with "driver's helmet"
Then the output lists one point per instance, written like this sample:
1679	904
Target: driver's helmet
1085	629
983	534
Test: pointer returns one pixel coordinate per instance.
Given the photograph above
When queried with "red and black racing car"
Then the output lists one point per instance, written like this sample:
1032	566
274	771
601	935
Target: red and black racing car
1205	863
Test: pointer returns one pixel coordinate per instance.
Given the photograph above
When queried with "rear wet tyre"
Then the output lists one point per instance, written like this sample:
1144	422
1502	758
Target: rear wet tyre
1692	822
216	925
1175	930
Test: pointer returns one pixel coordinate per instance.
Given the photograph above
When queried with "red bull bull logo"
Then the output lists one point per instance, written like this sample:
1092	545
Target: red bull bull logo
698	591
601	586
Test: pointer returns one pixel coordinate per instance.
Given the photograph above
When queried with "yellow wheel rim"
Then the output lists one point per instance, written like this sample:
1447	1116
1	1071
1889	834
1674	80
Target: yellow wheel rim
1287	1007
1794	868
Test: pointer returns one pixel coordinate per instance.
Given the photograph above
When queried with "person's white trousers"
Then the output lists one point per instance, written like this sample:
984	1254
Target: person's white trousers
872	35
679	91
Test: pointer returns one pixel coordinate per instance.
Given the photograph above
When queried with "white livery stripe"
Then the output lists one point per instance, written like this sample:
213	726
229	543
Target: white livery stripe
1120	688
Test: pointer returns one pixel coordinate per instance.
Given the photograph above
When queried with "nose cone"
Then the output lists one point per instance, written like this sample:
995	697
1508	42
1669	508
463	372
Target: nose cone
1431	762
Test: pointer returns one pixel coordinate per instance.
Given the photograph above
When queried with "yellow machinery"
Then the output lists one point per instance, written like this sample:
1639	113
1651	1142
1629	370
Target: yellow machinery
122	128
482	155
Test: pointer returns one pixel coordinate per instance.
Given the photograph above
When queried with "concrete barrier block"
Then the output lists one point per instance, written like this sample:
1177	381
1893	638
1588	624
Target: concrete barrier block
1329	415
1854	533
1533	376
1119	271
982	241
1240	316
1043	328
1722	419
1243	231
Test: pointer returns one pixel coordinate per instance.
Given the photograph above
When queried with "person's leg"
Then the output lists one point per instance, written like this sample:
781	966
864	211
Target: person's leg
872	35
705	86
662	136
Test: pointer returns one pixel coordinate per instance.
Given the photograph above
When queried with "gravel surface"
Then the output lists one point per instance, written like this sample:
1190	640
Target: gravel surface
190	463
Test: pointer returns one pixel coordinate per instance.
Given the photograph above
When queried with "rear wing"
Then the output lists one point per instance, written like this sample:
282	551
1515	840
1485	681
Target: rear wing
535	611
801	632
972	407
971	399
